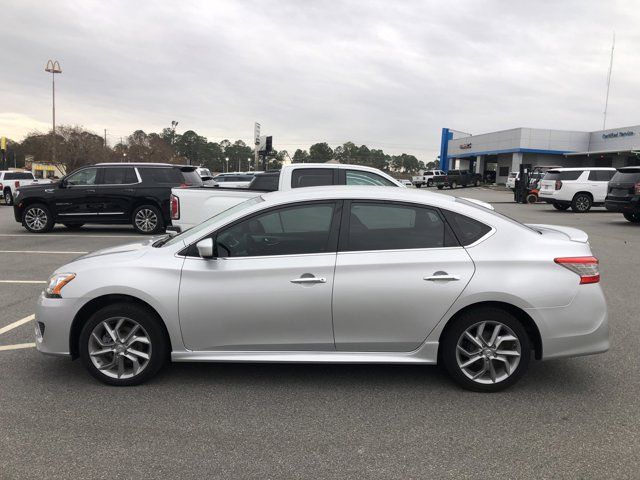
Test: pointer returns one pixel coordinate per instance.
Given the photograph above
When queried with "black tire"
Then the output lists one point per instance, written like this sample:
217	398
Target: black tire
560	206
476	183
158	348
449	343
418	185
45	218
581	203
8	197
429	183
453	185
632	217
532	198
153	214
74	226
440	187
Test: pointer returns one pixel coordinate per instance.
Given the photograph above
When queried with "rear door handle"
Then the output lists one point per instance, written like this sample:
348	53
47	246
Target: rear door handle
309	280
128	190
90	191
439	277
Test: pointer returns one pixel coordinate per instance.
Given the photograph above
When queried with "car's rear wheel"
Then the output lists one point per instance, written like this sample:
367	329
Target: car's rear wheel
8	197
561	206
37	218
74	226
486	349
453	185
581	203
429	183
440	187
476	183
123	344
632	217
147	220
532	198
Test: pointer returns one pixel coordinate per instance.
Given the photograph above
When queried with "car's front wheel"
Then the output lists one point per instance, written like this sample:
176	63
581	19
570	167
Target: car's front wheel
123	344
632	217
453	185
148	220
581	203
486	349
37	218
429	183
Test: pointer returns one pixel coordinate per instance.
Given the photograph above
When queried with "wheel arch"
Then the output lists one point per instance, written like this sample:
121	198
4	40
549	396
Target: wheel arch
96	304
586	192
527	322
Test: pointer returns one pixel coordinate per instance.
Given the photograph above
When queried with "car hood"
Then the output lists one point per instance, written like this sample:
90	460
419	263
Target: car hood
129	250
35	187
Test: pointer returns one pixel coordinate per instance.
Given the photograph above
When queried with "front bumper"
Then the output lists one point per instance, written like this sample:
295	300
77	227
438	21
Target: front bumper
580	328
56	314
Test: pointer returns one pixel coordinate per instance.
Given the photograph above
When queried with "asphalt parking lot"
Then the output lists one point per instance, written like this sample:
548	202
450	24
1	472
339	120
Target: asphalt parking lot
574	418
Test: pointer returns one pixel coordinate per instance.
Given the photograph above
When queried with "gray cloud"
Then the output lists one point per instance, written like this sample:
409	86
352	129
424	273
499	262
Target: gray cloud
388	74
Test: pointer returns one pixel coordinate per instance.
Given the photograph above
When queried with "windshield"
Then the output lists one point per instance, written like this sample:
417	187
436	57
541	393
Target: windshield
216	218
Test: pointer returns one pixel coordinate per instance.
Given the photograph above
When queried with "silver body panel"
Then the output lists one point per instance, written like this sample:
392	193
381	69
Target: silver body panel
374	306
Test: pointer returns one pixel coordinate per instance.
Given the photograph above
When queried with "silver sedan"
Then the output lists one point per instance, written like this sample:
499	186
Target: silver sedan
334	274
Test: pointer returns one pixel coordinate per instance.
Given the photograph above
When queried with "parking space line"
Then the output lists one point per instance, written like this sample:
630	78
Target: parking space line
64	235
17	323
23	281
41	251
17	346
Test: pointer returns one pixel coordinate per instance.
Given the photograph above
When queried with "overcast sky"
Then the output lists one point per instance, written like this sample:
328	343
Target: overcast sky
387	74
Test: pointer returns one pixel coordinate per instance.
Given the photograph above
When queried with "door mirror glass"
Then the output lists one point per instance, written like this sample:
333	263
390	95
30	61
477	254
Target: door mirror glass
205	248
63	183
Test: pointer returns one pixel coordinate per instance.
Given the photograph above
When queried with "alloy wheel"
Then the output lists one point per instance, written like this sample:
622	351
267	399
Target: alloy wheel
36	218
120	347
488	352
7	198
146	220
582	203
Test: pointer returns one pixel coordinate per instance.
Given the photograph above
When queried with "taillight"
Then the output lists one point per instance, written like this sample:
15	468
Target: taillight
636	188
175	207
1	187
585	267
17	184
558	184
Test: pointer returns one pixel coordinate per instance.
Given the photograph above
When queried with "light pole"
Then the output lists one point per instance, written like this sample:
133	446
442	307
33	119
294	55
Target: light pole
227	160
249	164
53	67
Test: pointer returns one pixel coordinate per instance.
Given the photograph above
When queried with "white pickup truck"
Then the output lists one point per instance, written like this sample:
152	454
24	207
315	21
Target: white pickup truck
426	178
11	180
192	205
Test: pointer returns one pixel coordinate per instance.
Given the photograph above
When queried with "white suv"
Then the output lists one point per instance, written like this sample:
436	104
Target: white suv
426	178
578	188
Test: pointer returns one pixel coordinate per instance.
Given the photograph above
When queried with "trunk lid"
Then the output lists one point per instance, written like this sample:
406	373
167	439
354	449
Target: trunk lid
573	234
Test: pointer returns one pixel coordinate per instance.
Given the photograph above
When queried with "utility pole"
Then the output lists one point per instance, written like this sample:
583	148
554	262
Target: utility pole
105	145
606	101
53	68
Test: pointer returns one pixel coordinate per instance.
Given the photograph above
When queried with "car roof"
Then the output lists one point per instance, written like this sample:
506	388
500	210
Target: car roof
580	169
337	192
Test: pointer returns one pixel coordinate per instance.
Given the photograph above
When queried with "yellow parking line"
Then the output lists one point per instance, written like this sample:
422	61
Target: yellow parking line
13	325
17	346
23	281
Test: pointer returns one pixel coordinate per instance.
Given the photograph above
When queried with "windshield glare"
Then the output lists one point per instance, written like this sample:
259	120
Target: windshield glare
216	218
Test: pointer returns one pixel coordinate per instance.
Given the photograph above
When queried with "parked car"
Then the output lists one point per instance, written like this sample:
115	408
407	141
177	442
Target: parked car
108	194
11	180
233	180
406	183
578	188
426	178
457	178
337	275
512	179
190	206
624	193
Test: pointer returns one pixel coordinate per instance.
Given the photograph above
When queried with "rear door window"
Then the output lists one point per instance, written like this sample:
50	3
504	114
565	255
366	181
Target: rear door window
162	176
600	175
311	177
118	176
571	175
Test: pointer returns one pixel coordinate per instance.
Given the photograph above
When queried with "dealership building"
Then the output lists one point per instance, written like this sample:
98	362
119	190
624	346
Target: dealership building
496	154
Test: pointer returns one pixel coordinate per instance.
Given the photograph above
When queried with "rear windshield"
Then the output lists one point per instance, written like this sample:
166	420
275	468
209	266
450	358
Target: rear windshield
268	182
191	178
628	175
18	176
571	175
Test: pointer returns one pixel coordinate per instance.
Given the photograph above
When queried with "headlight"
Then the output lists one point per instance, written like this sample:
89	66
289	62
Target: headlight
57	282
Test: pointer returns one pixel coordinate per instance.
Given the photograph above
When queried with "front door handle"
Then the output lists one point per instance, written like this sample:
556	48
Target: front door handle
90	191
441	277
309	280
128	190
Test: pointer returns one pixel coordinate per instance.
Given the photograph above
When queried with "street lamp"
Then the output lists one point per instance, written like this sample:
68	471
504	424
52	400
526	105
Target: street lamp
249	164
227	160
53	67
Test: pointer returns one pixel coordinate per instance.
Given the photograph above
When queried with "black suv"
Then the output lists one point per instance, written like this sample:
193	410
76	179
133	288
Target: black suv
108	194
623	194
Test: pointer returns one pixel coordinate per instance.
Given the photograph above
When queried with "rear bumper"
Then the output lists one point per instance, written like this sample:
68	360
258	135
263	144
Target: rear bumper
580	328
623	206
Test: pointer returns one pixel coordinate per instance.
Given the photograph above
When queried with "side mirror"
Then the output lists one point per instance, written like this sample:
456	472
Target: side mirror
63	183
205	248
